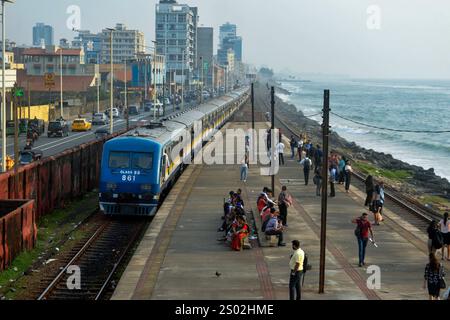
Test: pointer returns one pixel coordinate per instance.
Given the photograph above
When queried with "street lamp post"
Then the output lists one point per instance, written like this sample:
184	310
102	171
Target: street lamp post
3	111
126	88
111	118
61	81
154	81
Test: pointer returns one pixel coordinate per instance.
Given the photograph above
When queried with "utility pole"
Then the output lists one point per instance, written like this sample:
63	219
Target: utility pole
253	107
61	81
126	91
29	100
272	144
155	96
323	224
182	81
111	118
16	139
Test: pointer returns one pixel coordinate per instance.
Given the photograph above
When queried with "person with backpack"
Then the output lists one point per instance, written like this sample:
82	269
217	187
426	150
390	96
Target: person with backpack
363	227
435	239
297	270
444	226
318	181
434	278
306	163
284	202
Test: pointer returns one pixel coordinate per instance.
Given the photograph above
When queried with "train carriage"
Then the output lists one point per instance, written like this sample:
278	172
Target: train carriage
141	165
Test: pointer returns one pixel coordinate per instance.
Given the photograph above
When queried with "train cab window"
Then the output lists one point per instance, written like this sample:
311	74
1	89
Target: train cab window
143	160
119	160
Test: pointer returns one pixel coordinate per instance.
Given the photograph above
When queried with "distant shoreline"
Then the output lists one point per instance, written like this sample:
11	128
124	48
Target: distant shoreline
426	180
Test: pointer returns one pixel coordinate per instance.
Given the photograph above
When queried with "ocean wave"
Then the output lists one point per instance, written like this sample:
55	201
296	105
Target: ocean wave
284	97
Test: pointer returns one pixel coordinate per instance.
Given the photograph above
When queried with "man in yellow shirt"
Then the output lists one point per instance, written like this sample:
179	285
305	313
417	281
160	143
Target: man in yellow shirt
296	266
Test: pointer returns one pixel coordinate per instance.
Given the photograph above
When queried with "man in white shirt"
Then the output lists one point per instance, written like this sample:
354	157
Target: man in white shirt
296	266
280	151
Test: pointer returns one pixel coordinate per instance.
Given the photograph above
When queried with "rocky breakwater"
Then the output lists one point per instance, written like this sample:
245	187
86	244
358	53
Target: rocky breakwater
399	174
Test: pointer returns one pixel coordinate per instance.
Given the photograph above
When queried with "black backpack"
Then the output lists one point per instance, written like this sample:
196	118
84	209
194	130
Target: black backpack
306	266
438	240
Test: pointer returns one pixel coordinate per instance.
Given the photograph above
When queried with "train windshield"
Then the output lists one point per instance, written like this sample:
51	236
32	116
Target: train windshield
119	160
143	160
126	160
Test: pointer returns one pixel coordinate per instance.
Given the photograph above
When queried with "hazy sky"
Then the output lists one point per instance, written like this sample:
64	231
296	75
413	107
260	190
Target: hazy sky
319	36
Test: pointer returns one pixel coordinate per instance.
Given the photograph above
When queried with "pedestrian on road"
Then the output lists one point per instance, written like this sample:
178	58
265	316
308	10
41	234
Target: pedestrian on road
434	277
293	145
369	190
275	228
244	169
444	226
348	175
284	202
332	179
306	163
280	151
296	266
318	181
363	227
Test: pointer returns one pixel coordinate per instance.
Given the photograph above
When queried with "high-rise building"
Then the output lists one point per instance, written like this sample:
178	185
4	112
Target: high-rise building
42	35
205	53
176	36
228	39
91	44
127	44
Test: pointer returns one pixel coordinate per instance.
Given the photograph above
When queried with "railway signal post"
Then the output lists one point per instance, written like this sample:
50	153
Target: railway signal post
323	224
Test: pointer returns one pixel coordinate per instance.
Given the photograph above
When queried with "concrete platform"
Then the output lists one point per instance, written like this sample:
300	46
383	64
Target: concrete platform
179	255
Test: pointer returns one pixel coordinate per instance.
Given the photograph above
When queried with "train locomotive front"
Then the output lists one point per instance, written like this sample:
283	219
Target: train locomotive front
130	176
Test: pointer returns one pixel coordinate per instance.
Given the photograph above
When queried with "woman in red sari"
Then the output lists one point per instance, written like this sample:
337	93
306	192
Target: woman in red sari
240	232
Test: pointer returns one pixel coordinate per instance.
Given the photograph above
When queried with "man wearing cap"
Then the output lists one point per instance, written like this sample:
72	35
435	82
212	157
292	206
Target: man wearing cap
296	266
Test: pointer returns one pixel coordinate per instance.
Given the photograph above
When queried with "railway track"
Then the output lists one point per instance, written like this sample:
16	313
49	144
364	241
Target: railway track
98	260
405	206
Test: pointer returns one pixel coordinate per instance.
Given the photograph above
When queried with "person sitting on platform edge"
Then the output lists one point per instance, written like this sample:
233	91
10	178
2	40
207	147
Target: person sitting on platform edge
240	231
274	227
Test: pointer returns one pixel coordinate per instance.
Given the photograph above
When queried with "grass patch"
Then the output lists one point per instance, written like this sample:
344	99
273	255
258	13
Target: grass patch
439	203
53	228
396	175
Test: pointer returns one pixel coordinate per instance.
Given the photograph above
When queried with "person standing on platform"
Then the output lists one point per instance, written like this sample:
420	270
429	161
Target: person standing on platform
318	181
293	145
318	156
300	149
348	175
306	163
280	152
244	169
370	188
363	227
434	275
341	168
332	179
284	202
296	266
444	225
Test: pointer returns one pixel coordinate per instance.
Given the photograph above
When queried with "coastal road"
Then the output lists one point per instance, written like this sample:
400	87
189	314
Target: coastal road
53	146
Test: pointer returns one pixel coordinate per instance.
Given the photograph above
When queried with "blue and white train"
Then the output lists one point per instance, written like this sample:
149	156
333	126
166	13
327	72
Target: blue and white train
139	166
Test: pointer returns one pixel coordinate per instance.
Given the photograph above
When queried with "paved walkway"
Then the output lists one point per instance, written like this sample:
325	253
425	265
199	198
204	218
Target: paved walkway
180	255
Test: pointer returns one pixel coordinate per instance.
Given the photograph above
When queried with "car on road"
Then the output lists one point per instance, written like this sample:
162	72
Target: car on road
58	129
133	110
100	119
81	125
101	133
115	112
29	156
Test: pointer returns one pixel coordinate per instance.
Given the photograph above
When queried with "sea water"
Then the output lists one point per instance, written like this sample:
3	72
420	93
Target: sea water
394	104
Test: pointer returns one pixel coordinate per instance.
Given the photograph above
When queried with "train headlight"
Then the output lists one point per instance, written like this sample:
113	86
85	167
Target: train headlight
146	187
111	186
